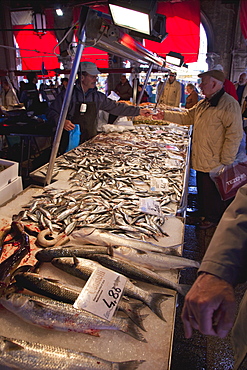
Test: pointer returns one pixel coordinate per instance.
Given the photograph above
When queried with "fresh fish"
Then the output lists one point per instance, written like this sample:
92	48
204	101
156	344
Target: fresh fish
47	313
156	261
99	237
68	294
46	255
133	271
3	233
9	265
83	268
23	355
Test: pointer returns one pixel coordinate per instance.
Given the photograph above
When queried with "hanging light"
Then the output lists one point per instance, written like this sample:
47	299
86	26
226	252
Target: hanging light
59	12
39	23
176	59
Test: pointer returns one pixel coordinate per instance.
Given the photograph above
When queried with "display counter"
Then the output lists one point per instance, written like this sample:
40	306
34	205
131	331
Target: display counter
130	161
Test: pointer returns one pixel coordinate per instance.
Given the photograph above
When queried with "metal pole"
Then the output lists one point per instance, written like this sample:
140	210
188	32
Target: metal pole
65	106
145	84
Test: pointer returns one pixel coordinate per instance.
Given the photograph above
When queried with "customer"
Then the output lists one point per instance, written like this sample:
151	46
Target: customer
123	89
241	88
145	96
210	304
85	91
192	97
172	91
8	97
217	134
159	89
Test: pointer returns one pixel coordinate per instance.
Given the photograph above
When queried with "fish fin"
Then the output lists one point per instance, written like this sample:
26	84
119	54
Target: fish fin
154	304
11	346
133	331
128	365
110	251
133	313
75	260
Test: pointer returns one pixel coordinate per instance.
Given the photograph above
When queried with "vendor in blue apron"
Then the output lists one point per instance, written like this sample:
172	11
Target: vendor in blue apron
86	101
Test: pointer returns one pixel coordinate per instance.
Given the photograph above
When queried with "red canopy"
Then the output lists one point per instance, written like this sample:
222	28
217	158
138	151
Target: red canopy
183	28
243	17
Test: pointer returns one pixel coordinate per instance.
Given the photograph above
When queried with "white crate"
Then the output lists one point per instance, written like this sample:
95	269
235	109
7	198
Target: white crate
11	190
10	173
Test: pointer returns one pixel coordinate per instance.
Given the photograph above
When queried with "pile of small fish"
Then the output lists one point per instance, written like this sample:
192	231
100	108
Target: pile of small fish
109	175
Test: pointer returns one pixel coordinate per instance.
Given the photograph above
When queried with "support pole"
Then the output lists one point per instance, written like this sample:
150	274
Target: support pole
145	83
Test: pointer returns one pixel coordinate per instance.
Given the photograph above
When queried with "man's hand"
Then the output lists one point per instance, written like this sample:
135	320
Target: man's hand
209	307
145	112
68	125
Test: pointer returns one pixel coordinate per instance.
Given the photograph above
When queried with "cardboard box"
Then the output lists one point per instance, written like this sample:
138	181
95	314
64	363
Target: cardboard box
11	190
9	174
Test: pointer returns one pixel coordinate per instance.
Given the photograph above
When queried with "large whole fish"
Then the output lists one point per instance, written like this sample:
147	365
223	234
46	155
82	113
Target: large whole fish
136	272
83	268
47	313
23	355
101	237
68	294
156	261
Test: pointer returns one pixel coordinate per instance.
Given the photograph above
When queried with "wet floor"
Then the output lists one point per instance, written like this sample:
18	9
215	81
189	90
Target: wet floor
199	352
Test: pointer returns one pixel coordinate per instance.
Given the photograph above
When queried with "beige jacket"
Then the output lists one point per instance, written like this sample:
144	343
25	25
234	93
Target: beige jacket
171	94
243	106
217	131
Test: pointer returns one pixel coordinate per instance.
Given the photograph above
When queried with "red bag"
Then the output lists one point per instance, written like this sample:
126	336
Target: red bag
228	179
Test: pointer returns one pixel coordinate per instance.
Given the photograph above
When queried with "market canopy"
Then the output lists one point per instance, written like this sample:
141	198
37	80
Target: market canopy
182	25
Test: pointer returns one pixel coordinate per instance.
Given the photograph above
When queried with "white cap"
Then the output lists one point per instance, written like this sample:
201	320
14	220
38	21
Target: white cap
89	67
219	67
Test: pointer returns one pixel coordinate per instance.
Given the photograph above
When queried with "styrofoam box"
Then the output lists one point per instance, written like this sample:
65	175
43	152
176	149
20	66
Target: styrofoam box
9	174
11	190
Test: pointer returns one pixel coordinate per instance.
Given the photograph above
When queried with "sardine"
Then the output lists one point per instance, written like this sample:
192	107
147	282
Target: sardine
23	355
83	268
47	313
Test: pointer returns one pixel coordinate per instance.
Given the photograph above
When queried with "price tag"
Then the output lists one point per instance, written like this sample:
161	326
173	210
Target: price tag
101	293
159	184
150	206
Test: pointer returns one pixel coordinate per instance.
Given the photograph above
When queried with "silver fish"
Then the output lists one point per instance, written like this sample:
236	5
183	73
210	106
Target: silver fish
60	316
83	268
23	355
156	261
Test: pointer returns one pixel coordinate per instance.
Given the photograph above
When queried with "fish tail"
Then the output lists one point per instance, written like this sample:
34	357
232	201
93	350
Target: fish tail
127	365
134	314
154	304
133	331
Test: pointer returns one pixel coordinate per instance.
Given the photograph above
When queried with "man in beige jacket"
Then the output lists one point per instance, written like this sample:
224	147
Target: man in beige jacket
172	91
217	133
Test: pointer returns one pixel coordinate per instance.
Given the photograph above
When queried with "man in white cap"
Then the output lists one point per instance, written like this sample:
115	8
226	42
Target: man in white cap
217	133
172	91
86	101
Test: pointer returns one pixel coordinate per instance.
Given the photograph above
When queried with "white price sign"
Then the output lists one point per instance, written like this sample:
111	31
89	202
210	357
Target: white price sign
101	293
150	206
159	184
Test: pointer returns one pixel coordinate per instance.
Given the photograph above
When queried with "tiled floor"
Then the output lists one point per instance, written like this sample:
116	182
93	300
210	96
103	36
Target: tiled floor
200	352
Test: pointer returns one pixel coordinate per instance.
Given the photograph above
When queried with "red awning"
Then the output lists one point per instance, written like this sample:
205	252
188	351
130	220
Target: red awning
243	17
183	28
36	51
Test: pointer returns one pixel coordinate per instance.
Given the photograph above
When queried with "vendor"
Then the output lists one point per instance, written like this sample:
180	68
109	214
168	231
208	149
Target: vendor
9	99
86	101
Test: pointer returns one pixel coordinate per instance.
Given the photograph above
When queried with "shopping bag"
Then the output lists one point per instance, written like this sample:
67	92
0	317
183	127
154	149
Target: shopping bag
74	138
228	179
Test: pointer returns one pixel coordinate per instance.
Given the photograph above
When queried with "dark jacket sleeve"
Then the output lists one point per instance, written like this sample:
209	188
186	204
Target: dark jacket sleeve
226	256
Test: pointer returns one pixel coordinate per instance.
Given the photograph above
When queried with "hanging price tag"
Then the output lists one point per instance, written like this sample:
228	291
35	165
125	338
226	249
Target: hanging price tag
159	184
101	293
150	206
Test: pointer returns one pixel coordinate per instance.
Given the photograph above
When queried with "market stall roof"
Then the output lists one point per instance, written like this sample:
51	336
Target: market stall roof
182	23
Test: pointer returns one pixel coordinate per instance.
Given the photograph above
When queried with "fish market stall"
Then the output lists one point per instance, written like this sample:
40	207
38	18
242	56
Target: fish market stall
128	187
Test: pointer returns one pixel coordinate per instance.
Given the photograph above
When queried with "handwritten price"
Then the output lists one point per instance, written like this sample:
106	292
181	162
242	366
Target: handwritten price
114	293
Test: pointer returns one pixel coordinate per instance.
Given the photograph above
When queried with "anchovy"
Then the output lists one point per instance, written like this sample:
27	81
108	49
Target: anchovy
47	313
24	355
83	268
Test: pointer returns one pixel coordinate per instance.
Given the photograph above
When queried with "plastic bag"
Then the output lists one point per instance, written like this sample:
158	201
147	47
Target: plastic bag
228	179
74	138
